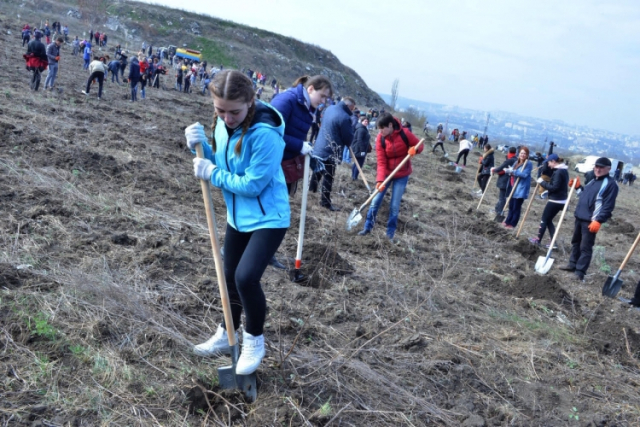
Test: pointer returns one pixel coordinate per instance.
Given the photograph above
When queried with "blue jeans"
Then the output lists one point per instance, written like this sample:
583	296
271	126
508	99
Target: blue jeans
51	76
114	77
86	63
398	186
134	91
354	169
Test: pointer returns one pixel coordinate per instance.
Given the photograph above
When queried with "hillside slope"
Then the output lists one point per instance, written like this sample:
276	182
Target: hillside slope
222	42
107	281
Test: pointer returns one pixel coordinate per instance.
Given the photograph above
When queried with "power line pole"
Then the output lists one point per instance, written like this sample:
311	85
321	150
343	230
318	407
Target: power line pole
486	125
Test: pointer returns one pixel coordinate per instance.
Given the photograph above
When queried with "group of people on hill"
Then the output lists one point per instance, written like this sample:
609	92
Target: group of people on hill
254	157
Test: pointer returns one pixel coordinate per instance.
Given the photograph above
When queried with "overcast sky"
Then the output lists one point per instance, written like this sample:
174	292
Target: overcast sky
573	60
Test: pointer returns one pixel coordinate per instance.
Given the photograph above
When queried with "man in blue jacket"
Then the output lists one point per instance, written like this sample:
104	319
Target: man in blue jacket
335	133
595	205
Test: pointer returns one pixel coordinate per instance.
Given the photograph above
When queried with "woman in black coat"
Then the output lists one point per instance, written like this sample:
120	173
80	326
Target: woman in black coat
361	145
486	164
558	195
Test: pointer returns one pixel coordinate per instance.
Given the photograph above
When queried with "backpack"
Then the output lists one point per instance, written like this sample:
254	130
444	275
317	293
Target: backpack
402	135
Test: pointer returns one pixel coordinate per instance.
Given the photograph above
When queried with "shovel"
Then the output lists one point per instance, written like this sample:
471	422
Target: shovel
543	265
355	216
366	184
227	376
527	211
296	275
485	191
613	284
500	217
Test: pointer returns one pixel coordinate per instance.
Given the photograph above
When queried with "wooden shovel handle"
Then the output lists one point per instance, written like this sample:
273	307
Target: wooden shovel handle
633	248
364	179
217	257
527	211
485	191
564	211
391	175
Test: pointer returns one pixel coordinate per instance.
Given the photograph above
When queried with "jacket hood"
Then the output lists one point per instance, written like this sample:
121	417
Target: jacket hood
266	115
562	166
488	152
511	155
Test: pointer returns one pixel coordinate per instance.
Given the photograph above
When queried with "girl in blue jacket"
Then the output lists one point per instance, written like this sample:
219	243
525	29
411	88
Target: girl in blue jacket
298	106
522	169
243	160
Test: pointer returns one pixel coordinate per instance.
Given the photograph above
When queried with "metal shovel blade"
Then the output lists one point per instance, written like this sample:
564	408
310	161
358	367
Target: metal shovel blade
543	265
611	286
354	218
446	155
499	217
458	169
230	380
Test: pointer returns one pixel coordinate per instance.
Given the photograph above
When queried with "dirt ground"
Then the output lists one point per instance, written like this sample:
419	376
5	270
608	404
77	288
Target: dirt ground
107	280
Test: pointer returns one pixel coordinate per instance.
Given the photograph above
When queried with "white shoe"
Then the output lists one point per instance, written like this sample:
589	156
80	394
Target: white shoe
85	92
252	354
217	344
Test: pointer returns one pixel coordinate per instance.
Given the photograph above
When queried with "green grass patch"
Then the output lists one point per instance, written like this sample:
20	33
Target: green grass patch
555	331
214	53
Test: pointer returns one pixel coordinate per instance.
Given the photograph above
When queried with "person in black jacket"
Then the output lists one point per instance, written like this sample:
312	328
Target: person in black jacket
595	205
486	164
361	145
558	192
503	178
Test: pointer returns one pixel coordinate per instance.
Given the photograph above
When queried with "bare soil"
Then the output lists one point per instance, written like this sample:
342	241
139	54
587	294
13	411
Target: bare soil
107	281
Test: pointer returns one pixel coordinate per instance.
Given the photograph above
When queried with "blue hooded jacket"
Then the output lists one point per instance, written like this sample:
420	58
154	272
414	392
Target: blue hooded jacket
335	133
252	183
524	185
298	116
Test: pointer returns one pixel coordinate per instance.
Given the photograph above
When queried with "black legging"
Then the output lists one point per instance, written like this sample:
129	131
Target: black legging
246	257
550	212
463	153
96	75
436	146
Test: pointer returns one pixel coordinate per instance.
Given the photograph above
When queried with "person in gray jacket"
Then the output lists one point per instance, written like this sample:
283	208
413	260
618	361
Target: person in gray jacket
53	56
336	132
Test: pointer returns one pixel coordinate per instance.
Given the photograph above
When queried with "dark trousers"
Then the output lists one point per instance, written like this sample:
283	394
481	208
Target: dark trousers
515	206
550	212
581	246
327	181
436	146
464	154
246	257
314	132
354	169
96	75
482	180
502	199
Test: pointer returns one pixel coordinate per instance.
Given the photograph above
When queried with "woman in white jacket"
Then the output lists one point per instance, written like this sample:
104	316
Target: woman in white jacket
97	70
465	147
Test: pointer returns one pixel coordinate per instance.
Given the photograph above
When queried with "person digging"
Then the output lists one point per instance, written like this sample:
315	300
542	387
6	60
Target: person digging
594	208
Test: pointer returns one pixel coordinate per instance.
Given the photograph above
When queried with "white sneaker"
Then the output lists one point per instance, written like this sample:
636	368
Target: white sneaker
252	354
217	344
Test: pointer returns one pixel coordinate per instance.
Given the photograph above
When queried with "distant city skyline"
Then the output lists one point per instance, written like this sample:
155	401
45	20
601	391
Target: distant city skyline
575	60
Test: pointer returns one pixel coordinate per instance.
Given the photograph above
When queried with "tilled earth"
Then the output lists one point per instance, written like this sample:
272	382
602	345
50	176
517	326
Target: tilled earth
107	280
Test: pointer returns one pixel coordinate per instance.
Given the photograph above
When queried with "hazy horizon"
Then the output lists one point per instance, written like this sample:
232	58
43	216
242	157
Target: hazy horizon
575	61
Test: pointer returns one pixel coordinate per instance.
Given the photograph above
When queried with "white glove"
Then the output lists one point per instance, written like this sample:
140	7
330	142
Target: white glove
492	169
362	154
195	135
508	170
203	168
539	180
306	148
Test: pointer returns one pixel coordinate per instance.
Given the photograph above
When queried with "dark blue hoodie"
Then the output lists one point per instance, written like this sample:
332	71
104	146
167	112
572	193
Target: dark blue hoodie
298	114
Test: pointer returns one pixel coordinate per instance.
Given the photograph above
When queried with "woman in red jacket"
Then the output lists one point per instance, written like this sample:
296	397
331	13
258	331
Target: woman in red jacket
392	146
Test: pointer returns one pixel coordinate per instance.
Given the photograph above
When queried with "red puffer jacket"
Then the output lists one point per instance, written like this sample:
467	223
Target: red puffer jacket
394	152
